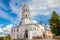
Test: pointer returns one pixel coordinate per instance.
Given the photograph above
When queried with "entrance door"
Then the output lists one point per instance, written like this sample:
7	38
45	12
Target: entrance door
26	34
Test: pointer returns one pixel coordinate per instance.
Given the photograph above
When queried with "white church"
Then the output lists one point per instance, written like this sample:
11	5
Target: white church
27	29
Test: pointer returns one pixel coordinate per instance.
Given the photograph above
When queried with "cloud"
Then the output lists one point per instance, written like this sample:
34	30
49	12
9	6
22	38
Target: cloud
35	6
7	12
43	5
6	30
33	21
6	16
15	6
8	27
45	13
1	29
34	13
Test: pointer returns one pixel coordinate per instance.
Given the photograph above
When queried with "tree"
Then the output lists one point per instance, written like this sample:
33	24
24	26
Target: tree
8	37
1	38
55	23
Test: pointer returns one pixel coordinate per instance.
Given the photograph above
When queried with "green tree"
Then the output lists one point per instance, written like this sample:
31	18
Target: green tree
1	38
55	23
8	37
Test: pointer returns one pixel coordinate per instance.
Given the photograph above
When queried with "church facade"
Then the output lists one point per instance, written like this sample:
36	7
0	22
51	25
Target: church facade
26	29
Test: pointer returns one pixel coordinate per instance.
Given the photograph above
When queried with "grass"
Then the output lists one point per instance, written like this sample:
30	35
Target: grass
56	39
46	39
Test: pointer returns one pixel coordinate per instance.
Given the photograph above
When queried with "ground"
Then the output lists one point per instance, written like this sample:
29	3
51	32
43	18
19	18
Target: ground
46	39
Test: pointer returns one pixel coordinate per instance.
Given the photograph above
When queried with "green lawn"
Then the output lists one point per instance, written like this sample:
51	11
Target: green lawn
46	39
56	39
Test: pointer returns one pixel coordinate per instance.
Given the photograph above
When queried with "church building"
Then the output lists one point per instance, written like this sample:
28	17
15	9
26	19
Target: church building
26	28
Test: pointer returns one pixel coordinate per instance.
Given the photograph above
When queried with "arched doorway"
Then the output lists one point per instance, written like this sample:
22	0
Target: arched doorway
26	34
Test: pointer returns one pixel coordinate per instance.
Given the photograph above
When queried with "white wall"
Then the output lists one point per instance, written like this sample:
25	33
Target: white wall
21	32
29	34
39	30
14	34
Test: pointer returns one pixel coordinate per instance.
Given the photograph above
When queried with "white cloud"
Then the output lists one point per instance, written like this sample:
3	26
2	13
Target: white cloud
37	12
1	29
33	13
33	21
6	30
8	27
43	5
35	5
15	8
46	13
7	16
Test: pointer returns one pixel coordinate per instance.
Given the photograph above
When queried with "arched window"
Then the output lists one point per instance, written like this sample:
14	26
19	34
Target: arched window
26	10
26	15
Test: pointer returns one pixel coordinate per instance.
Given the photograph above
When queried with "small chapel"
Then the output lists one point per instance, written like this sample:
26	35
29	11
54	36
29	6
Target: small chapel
26	28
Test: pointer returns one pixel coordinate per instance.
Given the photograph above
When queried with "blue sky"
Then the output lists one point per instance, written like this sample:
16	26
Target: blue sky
40	10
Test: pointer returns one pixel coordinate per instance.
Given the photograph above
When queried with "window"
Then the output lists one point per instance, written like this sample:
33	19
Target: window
34	28
14	30
17	35
17	30
26	10
26	15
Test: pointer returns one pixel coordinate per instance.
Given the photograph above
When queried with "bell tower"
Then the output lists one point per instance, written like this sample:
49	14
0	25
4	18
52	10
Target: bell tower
25	15
25	12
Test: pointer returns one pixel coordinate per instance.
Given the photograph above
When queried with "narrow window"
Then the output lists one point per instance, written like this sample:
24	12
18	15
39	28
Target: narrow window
14	30
26	15
26	10
17	35
17	30
34	28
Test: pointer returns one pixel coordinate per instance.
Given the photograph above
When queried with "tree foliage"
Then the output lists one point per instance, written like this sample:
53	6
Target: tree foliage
55	23
1	38
8	37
